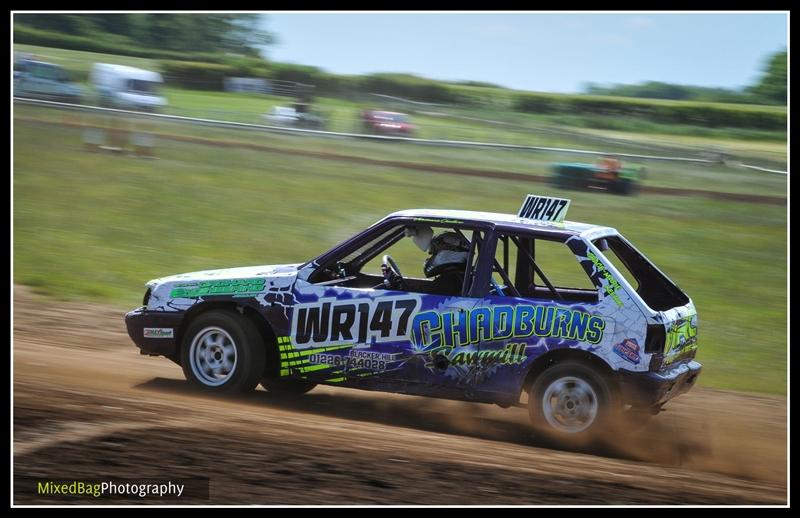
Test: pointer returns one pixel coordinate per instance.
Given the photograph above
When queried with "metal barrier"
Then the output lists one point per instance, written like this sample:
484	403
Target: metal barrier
411	140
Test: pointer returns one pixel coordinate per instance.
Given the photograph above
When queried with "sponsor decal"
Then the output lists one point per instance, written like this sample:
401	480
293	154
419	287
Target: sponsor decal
511	354
332	321
431	329
629	350
367	360
158	332
440	220
235	287
612	286
544	208
297	361
681	338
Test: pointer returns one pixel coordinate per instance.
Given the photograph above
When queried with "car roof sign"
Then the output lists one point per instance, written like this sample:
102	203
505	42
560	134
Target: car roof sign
544	208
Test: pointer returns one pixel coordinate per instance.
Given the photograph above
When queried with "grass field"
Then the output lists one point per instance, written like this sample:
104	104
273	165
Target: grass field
97	226
343	115
659	173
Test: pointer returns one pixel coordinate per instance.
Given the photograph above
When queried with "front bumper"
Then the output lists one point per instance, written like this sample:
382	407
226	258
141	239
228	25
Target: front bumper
162	336
649	389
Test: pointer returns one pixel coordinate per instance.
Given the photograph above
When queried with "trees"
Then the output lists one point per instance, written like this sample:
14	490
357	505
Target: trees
185	32
771	88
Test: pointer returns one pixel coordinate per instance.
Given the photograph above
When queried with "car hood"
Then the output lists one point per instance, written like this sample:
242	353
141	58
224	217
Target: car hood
184	285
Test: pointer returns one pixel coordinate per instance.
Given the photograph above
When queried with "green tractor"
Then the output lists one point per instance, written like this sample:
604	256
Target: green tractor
607	174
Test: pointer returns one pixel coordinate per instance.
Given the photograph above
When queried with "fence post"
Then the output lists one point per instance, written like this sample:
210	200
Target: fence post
143	140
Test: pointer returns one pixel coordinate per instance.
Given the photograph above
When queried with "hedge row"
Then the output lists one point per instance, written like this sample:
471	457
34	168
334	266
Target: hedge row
102	44
713	115
209	76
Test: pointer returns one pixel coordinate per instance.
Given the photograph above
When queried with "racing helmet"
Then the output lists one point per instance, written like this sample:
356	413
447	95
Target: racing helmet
449	252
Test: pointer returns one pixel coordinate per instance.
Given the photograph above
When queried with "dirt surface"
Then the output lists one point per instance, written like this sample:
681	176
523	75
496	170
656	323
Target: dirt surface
88	407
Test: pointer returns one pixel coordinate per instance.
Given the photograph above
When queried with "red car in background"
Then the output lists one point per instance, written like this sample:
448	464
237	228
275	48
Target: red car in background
387	123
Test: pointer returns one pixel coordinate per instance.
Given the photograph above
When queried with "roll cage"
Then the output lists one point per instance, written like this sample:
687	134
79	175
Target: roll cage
347	258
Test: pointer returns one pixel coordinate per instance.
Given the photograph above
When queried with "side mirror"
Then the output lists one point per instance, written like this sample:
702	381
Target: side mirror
602	245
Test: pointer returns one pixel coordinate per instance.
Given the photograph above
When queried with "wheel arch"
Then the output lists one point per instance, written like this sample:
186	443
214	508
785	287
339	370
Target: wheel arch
268	336
550	358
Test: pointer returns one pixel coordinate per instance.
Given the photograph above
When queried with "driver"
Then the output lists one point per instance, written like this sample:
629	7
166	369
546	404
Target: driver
447	262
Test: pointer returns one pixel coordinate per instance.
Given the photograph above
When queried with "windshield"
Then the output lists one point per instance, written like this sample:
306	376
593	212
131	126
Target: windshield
140	86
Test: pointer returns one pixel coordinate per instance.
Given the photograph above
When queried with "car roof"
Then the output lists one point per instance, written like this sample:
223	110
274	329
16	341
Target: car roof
38	62
132	72
505	221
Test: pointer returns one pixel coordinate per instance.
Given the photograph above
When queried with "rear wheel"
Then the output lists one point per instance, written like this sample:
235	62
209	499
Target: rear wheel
624	186
222	351
571	403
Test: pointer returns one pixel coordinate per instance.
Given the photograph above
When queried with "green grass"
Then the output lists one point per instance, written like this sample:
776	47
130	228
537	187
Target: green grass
97	226
660	174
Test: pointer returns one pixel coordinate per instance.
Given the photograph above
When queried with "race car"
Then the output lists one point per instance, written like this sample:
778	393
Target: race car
607	174
566	318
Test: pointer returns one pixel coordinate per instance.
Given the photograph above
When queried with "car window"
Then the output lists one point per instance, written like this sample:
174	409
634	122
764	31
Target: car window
527	266
432	259
138	85
655	288
408	256
561	266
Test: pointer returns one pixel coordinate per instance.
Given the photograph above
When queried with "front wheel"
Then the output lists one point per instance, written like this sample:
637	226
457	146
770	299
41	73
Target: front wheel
571	403
222	351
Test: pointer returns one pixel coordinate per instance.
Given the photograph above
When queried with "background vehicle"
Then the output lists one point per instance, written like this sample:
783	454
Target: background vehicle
387	123
40	80
296	116
127	87
607	174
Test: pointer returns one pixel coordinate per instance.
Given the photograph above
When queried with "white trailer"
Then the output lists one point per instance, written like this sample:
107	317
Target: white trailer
127	87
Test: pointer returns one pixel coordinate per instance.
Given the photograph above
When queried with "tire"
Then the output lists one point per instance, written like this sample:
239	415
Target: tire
572	403
622	186
287	387
222	351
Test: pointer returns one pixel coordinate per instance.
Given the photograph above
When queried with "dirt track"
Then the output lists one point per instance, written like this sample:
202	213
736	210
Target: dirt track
87	406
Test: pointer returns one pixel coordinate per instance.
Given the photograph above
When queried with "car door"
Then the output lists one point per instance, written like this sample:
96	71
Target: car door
539	299
365	334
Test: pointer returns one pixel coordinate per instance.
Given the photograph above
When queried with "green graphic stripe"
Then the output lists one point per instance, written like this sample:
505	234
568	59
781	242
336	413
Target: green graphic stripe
297	360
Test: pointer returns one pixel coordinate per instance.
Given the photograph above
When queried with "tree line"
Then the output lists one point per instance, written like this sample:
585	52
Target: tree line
769	89
188	32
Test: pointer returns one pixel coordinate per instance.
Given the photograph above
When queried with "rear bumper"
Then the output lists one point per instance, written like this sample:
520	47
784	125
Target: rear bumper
648	389
155	332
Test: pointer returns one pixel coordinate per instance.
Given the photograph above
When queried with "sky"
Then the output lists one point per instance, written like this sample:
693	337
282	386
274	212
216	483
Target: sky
546	52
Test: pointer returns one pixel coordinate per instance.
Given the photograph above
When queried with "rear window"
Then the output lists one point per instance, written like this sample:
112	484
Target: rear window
654	288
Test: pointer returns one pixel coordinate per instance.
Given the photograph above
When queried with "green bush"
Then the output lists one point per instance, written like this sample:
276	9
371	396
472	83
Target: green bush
712	115
409	87
106	44
197	75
